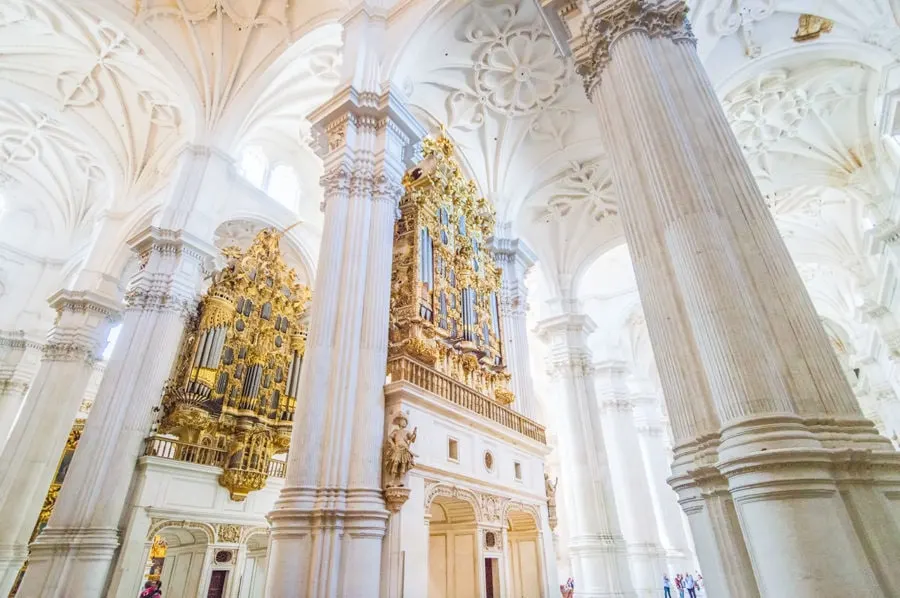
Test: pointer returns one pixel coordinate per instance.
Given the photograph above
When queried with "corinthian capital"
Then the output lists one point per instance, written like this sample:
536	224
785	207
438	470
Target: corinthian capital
588	29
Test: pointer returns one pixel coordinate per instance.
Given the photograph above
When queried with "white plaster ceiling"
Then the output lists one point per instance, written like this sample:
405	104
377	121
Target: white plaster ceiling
304	78
88	86
53	182
491	73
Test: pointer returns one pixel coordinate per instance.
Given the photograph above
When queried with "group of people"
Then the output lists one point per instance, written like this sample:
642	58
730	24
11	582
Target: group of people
152	589
683	583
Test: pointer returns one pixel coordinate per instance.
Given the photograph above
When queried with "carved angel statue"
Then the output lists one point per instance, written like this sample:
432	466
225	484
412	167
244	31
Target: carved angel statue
398	458
550	488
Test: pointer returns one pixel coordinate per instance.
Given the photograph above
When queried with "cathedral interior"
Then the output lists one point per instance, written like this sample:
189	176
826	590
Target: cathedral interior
449	298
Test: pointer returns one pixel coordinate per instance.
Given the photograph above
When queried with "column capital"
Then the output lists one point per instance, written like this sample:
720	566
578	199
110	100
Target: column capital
567	336
569	330
611	367
83	320
371	168
588	29
511	251
172	263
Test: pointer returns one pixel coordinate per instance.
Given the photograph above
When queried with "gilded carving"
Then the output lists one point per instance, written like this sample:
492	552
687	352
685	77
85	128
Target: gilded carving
445	282
810	27
232	399
228	533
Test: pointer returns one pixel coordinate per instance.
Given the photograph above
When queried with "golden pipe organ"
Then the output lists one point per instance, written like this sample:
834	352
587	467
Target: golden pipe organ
445	308
234	391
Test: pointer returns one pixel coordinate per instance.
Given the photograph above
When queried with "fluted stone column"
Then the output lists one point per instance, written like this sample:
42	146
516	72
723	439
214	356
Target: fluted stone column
515	259
781	459
635	506
19	361
29	460
597	549
329	522
650	432
73	555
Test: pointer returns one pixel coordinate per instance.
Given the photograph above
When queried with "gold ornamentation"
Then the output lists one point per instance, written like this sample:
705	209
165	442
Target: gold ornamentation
445	282
205	376
49	503
420	349
233	395
229	533
242	482
158	548
504	397
810	27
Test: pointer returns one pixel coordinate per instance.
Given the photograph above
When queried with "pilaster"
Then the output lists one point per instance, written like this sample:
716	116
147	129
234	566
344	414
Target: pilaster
20	358
74	553
597	548
329	521
629	478
651	439
29	460
515	259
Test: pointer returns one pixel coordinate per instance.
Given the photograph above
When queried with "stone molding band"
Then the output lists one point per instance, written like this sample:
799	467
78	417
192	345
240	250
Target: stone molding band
666	19
67	351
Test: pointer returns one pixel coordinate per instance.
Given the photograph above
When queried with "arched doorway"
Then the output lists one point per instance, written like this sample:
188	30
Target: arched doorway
453	555
523	549
177	557
253	577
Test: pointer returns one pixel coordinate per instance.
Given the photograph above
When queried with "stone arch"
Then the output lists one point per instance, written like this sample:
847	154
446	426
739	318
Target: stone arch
440	489
248	532
511	508
206	528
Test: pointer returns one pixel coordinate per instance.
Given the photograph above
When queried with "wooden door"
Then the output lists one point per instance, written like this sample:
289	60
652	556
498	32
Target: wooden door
217	584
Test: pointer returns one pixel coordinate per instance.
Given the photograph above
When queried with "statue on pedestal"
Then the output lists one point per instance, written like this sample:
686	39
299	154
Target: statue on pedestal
550	489
398	459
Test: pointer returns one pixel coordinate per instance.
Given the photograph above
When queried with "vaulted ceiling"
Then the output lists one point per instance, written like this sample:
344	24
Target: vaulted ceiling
97	99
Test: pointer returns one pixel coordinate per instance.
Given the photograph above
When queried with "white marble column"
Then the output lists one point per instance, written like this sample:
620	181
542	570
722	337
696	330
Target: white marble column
28	462
597	549
329	522
515	259
74	553
787	434
650	432
633	500
19	361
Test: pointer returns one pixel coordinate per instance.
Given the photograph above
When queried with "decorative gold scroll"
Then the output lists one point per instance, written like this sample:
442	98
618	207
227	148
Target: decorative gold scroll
445	284
236	380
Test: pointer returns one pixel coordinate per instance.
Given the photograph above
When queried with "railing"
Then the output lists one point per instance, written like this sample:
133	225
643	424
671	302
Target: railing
410	370
170	448
277	469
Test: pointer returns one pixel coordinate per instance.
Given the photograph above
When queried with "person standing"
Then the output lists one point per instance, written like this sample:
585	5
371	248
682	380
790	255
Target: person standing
679	585
667	586
689	586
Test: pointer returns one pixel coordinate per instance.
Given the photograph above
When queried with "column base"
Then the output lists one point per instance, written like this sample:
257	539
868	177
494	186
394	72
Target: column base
647	567
69	562
806	502
12	557
327	542
600	566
